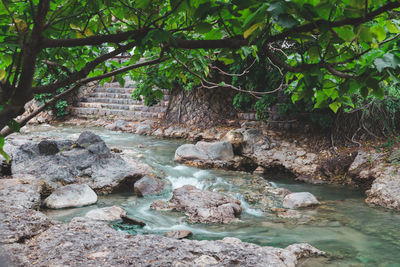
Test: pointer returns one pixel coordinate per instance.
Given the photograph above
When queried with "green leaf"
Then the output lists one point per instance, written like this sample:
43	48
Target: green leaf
2	152
75	27
379	32
143	3
364	91
395	79
388	60
335	106
203	27
277	8
391	27
250	30
257	16
14	126
6	60
346	33
2	74
378	92
365	35
287	21
313	53
227	61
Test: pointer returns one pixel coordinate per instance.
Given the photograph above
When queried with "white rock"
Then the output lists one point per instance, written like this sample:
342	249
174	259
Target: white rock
74	195
299	200
106	214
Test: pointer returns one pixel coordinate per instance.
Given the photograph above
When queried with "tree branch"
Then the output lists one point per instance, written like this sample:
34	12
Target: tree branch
83	72
96	40
333	24
6	130
55	64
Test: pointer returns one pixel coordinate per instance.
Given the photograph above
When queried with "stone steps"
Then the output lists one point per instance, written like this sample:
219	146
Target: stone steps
109	95
114	101
111	100
136	107
123	114
113	90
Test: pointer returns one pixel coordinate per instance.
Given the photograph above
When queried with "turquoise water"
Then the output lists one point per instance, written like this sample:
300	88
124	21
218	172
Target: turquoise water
352	233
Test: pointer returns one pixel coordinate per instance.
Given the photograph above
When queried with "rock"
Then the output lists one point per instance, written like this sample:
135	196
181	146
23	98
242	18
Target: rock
106	214
148	186
254	140
19	224
69	196
299	200
359	160
20	193
159	132
259	170
289	214
205	260
93	143
88	138
178	234
190	152
95	243
296	252
119	125
235	137
205	206
385	190
176	132
133	221
86	161
161	205
143	129
213	154
48	147
217	150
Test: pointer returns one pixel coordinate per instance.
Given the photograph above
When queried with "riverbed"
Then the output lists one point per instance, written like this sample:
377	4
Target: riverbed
352	233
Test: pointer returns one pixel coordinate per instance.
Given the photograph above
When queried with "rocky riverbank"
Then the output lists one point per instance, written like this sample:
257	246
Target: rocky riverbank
29	237
257	149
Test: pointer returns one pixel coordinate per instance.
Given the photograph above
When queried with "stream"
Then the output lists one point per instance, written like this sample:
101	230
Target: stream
352	233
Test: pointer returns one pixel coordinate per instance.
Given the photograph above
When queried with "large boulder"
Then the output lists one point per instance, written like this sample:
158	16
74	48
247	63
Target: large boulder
148	186
299	200
106	214
70	196
204	206
87	160
206	154
94	243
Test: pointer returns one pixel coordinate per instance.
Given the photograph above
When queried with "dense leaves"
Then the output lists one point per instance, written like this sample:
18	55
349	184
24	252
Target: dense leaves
328	51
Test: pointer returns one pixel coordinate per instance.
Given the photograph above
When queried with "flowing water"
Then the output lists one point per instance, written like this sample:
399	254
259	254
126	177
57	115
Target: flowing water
352	233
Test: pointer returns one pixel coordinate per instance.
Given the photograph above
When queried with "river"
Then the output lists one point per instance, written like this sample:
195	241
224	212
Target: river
352	233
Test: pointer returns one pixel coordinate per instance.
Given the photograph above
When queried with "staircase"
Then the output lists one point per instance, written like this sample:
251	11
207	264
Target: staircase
114	102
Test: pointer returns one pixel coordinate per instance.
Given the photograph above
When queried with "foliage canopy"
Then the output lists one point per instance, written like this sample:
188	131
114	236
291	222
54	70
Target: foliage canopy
326	51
